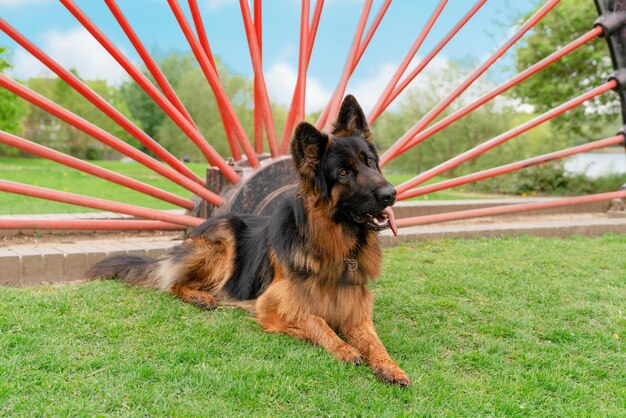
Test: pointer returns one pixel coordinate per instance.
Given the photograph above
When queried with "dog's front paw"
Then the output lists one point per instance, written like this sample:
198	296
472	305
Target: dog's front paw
348	354
389	372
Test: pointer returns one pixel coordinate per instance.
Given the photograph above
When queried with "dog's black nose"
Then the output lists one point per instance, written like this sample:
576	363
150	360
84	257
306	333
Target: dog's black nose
386	195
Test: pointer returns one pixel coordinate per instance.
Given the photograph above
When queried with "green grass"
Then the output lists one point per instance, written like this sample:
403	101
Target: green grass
45	173
486	327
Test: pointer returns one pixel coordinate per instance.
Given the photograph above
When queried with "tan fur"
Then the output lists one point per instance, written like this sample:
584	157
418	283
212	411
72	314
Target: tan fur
211	261
316	310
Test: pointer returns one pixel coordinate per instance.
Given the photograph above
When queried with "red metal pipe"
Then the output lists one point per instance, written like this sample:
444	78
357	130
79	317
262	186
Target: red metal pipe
502	138
370	32
201	32
339	92
108	139
149	62
95	203
419	40
443	123
99	102
396	148
317	14
508	168
376	112
214	82
255	54
88	225
258	112
333	106
297	108
78	164
206	48
500	210
303	63
205	148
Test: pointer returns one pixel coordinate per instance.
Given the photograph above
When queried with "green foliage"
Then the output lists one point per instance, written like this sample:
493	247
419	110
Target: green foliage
485	327
191	86
47	130
480	125
45	173
548	179
574	74
11	107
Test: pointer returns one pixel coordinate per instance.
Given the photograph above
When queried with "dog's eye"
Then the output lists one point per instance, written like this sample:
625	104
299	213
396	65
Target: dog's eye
370	161
343	172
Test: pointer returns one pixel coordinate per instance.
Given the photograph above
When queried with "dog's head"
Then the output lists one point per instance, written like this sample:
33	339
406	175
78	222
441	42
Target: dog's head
342	169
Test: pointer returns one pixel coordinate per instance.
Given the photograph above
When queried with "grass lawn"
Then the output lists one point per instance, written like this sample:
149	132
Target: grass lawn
517	327
49	174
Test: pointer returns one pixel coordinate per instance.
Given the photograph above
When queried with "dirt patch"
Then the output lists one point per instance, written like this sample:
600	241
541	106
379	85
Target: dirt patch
32	238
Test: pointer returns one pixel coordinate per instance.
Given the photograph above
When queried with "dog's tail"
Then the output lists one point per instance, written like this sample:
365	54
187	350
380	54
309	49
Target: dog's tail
133	269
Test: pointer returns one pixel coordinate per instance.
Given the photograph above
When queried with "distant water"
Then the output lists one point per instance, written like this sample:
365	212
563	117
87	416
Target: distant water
597	164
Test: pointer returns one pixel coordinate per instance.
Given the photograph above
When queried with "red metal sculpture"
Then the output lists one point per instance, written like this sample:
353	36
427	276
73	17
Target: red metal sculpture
255	182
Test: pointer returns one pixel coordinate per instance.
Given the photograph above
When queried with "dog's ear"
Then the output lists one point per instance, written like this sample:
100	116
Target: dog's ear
307	148
351	120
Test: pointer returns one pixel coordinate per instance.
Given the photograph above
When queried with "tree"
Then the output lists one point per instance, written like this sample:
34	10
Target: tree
11	107
480	125
587	67
50	131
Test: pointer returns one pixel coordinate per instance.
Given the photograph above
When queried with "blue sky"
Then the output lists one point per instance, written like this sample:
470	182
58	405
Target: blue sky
50	26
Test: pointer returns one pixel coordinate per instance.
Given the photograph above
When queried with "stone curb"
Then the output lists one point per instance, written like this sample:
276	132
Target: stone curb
29	265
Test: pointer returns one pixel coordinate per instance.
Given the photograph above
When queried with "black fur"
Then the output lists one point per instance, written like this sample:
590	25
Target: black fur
344	164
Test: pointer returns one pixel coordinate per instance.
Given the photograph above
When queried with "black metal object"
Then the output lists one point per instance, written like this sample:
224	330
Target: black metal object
612	19
259	191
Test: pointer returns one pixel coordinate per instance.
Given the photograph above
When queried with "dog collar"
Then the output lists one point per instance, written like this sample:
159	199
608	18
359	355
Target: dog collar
352	263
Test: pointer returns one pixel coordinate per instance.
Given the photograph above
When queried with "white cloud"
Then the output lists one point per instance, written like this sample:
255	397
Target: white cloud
281	80
19	3
76	49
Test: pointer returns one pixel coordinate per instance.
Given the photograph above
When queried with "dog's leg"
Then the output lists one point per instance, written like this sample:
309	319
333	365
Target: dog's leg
315	330
199	298
364	338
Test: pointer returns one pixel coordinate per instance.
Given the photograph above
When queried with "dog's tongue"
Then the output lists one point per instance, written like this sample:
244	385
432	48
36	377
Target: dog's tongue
392	220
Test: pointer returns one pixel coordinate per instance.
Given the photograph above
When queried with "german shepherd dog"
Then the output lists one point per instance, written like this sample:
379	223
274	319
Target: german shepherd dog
304	271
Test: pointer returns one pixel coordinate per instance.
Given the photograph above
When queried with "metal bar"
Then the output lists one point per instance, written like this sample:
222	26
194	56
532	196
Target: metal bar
297	108
508	168
338	94
95	203
317	14
149	62
303	63
206	48
201	32
535	68
88	225
258	113
333	106
205	148
502	138
372	30
89	168
108	139
379	109
255	54
501	210
395	149
99	102
419	40
214	82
